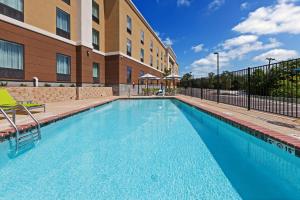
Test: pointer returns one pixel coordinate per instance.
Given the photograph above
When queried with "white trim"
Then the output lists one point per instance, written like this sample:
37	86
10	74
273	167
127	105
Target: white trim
147	23
98	52
34	29
129	57
54	36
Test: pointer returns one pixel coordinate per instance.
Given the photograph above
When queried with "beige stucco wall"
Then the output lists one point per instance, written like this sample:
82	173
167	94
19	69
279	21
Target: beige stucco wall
57	94
101	26
111	13
138	25
42	14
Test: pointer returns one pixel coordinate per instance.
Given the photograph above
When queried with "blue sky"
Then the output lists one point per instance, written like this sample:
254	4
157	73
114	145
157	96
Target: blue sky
244	32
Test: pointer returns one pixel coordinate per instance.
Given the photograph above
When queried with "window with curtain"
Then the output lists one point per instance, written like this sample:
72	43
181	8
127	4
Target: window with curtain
151	60
129	75
11	55
142	37
15	4
95	70
63	64
142	55
96	39
142	73
67	2
95	12
151	46
62	23
129	47
129	24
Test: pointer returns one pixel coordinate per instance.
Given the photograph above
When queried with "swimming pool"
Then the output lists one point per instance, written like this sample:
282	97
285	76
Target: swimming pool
148	149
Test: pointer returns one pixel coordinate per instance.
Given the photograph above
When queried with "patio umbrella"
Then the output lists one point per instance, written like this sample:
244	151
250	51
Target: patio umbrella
172	77
148	77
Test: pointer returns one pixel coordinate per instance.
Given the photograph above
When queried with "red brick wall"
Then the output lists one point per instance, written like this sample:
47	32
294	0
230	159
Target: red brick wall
40	52
116	70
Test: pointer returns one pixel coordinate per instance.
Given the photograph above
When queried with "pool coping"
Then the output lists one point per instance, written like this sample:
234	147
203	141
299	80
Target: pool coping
284	142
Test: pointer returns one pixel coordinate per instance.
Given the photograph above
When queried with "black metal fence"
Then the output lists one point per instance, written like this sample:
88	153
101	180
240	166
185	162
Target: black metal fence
273	88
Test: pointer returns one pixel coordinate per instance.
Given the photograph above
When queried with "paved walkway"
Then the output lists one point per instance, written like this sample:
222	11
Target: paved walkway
56	110
281	124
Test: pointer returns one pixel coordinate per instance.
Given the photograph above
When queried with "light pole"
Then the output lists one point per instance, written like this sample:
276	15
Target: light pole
270	60
218	76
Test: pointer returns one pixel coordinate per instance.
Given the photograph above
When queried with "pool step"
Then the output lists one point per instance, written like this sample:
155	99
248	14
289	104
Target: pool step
28	138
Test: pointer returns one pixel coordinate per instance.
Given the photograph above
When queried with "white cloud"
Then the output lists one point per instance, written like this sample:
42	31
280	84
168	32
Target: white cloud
280	18
215	4
168	41
278	54
232	49
198	48
183	3
244	6
243	39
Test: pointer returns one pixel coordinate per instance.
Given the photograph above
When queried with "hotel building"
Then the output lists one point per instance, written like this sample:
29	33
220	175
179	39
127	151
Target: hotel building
79	42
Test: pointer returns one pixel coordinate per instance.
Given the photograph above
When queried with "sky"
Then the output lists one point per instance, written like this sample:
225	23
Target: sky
244	32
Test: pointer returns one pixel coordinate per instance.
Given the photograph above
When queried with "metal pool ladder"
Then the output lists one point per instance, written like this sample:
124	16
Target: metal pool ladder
27	138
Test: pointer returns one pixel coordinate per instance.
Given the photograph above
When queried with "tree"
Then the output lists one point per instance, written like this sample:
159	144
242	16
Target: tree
167	72
186	80
187	77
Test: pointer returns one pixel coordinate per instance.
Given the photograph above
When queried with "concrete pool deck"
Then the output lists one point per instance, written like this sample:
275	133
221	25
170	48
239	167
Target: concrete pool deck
283	128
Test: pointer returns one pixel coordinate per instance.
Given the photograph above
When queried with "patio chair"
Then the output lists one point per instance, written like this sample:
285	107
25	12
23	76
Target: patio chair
9	103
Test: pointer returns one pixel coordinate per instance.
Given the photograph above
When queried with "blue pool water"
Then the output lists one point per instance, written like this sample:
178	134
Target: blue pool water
148	149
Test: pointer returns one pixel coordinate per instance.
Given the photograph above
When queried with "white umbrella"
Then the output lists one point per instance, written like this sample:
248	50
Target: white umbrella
149	77
172	76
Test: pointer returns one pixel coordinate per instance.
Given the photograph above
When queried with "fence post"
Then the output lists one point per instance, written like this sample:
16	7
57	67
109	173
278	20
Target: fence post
201	94
249	87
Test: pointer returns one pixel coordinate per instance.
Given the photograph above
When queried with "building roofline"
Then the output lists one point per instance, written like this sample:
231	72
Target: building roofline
145	21
172	51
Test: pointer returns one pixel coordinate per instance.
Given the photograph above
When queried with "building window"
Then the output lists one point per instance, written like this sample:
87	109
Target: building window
157	64
11	55
140	75
95	12
66	1
129	75
157	52
96	39
151	46
12	8
161	55
96	73
129	24
142	55
161	67
63	67
129	47
151	60
62	23
142	37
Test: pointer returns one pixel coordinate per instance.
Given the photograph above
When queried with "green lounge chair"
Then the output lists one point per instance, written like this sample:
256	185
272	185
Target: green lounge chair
8	102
